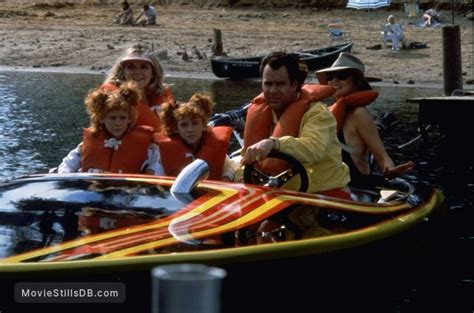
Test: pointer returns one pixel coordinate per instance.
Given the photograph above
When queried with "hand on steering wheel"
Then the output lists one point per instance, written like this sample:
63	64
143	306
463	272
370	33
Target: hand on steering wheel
256	177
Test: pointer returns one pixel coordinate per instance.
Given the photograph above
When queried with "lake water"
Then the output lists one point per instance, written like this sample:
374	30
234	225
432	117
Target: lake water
42	116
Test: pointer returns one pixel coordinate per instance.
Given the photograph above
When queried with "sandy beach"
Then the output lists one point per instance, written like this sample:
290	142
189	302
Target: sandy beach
67	37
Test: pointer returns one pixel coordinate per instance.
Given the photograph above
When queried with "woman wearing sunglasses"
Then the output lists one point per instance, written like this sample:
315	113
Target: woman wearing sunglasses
356	128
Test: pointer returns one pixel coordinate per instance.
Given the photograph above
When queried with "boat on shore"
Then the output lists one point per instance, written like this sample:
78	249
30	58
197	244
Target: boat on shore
240	68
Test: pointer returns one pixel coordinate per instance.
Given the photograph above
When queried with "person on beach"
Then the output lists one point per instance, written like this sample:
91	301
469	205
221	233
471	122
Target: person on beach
186	137
112	144
126	16
149	18
393	32
355	127
431	16
289	117
140	65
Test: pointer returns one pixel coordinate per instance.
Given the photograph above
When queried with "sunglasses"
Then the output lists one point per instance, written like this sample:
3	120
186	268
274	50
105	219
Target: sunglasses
343	75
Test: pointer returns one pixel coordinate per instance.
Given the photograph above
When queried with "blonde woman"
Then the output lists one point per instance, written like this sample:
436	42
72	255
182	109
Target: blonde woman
140	65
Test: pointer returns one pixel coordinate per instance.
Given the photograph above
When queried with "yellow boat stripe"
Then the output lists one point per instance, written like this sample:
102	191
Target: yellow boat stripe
257	213
159	233
215	217
244	220
350	205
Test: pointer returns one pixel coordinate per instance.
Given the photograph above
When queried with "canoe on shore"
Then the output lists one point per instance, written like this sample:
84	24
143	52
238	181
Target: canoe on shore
240	68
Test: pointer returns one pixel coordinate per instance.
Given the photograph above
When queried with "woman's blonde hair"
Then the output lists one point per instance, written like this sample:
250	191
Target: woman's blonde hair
199	105
116	75
99	102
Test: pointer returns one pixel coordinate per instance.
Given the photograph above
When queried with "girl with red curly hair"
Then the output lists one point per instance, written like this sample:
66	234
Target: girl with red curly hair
112	143
185	136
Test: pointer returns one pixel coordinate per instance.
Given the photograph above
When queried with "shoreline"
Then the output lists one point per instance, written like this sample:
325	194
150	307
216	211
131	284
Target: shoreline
196	75
84	70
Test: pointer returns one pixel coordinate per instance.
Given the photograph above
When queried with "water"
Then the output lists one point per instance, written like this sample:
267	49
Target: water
42	116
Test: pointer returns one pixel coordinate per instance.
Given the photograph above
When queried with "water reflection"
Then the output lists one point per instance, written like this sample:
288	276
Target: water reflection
41	115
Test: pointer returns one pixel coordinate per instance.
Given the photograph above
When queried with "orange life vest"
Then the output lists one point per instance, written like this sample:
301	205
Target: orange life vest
175	154
258	125
345	103
128	158
146	116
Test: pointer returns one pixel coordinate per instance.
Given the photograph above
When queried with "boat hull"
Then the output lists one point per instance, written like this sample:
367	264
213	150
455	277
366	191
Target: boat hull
363	279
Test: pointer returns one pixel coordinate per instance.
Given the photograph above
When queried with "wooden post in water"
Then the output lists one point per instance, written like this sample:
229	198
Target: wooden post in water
217	46
452	69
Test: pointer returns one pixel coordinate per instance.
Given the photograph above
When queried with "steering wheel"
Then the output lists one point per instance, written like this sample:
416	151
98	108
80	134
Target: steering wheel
256	177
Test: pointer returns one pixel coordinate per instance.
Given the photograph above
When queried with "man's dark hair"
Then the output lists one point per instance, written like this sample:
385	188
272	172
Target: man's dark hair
297	70
146	7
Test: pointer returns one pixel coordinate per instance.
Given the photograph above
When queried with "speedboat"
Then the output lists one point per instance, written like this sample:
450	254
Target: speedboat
71	222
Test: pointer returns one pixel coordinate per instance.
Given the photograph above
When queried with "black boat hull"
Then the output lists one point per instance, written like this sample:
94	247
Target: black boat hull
241	68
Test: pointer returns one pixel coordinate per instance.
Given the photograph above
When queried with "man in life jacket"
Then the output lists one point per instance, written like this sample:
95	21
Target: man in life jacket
289	117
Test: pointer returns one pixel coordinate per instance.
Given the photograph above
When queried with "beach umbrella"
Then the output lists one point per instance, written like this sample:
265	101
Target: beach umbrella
367	5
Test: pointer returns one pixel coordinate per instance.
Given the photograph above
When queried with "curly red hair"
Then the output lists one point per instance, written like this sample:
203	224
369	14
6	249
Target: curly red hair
199	105
99	102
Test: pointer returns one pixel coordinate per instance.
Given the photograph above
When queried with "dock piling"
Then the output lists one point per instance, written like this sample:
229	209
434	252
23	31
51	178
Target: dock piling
452	68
